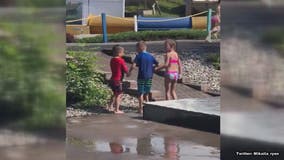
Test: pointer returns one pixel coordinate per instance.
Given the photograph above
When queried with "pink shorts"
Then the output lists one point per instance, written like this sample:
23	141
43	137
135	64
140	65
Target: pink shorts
172	75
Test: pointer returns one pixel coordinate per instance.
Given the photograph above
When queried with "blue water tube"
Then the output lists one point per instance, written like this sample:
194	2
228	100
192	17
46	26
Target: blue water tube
155	23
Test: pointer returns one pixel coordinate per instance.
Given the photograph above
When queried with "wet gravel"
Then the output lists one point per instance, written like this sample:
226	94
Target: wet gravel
128	104
128	100
75	112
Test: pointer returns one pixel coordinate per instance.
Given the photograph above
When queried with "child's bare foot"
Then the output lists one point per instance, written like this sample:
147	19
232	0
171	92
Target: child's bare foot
118	112
140	111
111	109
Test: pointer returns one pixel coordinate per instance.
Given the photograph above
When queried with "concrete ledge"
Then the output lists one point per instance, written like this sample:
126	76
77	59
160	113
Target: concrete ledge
201	114
152	46
129	84
155	95
192	85
213	93
203	88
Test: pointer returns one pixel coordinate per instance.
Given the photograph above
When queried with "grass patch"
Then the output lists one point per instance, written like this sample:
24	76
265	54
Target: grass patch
275	38
213	59
168	8
172	9
148	36
133	8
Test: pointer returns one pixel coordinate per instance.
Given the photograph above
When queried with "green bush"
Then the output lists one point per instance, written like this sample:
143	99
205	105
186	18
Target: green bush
168	8
148	36
31	94
85	86
214	59
275	38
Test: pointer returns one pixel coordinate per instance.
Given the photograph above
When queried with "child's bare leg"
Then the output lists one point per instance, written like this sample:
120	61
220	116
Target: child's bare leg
140	99
111	104
167	88
173	90
146	97
117	103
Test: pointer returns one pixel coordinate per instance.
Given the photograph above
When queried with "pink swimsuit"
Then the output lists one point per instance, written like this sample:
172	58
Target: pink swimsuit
173	75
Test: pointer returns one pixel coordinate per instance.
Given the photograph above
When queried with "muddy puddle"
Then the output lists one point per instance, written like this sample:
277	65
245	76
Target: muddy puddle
128	137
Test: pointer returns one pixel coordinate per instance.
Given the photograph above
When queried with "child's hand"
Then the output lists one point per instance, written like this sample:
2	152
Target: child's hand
156	69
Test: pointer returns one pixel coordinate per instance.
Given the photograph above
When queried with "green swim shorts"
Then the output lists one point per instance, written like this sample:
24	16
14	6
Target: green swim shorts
144	86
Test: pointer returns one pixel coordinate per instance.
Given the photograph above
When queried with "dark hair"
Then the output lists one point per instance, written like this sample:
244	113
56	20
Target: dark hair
116	49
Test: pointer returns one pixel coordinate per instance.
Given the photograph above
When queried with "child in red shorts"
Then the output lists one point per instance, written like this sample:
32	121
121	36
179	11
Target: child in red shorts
118	68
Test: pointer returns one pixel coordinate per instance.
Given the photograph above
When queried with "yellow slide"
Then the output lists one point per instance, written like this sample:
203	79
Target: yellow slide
114	24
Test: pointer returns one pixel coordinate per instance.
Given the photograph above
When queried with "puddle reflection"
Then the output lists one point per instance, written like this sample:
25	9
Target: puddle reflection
116	148
164	147
171	149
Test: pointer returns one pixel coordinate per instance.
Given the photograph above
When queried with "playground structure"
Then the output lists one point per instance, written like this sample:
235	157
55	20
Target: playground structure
104	24
118	24
114	24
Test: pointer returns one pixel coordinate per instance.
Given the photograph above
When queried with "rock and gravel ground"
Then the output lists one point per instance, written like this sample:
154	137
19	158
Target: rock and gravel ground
128	104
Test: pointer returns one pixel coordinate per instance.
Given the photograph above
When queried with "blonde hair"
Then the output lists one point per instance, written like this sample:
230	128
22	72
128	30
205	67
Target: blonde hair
172	43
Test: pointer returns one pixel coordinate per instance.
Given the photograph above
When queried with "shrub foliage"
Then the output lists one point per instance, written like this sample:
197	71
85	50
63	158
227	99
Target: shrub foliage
32	93
148	36
85	86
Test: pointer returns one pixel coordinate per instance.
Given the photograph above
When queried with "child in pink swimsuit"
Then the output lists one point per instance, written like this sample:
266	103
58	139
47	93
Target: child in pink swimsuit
173	69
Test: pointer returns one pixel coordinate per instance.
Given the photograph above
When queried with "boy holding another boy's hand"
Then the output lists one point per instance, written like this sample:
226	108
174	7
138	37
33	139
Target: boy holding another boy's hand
145	63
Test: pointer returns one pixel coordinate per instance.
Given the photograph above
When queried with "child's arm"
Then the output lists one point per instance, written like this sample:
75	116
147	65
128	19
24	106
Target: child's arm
132	66
159	67
124	67
167	59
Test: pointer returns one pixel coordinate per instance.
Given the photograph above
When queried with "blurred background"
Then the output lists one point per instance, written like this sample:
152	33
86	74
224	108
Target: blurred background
252	65
32	92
